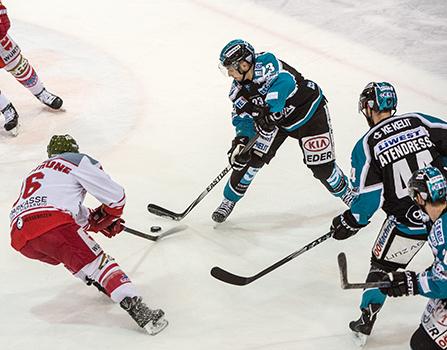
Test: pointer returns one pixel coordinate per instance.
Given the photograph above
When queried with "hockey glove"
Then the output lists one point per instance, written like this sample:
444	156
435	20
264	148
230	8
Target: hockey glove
4	21
344	226
102	217
402	283
114	228
236	159
264	121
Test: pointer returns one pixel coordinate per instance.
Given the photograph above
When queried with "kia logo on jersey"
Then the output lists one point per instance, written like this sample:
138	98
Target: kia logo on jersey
317	143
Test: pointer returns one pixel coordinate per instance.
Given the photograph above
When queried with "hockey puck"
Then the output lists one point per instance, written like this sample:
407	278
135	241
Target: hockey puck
155	228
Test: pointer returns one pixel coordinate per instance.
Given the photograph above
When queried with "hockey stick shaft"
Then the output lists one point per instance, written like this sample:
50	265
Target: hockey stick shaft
231	278
343	267
160	211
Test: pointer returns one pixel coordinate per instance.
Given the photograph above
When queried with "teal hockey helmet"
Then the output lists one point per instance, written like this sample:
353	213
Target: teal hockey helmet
429	183
235	51
379	97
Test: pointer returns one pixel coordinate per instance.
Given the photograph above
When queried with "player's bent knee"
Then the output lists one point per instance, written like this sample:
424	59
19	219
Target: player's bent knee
323	171
107	274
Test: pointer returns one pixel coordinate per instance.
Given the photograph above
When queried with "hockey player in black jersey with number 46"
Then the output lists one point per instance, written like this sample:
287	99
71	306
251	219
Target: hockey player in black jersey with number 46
383	161
274	99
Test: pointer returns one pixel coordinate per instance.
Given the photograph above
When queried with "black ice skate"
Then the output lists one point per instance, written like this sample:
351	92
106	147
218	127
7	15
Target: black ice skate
49	99
223	210
151	320
11	119
363	326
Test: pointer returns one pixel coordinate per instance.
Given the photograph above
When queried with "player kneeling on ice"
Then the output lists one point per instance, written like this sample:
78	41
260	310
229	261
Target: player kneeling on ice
382	163
50	224
272	98
427	187
14	62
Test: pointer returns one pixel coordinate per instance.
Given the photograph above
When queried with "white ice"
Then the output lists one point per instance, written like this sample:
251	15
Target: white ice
142	93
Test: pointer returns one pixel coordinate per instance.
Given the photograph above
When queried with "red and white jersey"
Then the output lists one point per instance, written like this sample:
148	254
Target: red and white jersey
53	193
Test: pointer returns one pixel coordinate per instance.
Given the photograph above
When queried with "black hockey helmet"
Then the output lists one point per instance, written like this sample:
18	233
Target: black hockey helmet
379	97
429	183
61	144
234	52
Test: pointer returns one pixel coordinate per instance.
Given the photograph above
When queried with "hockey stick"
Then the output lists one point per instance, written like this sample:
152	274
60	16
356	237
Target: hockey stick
160	211
155	238
343	267
231	278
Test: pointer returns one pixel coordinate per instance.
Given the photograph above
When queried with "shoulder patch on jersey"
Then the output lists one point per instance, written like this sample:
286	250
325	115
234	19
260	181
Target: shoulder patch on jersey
437	233
76	158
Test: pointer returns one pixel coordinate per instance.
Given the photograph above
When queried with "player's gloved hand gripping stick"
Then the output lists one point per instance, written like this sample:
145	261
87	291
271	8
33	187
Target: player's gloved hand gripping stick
160	211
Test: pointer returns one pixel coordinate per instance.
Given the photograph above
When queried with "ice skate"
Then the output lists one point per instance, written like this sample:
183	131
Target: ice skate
363	326
49	99
223	210
151	320
11	119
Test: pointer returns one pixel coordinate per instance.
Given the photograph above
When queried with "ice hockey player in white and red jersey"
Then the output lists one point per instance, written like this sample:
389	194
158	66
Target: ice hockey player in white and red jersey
14	62
50	224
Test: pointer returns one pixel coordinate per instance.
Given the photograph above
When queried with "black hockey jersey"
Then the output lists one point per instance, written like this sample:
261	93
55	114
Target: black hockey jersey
384	159
280	86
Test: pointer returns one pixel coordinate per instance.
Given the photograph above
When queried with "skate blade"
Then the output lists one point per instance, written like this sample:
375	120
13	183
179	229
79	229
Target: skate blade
359	339
154	329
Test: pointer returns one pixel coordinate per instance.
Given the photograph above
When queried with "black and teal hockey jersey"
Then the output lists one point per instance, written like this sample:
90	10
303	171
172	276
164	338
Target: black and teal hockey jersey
282	88
383	161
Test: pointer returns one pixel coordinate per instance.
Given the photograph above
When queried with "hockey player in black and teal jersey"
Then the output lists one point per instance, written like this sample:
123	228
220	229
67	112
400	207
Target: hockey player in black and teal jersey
274	99
428	189
382	163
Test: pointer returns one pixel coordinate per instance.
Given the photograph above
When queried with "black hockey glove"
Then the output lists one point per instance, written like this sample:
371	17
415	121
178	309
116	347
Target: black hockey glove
237	160
344	226
402	283
264	121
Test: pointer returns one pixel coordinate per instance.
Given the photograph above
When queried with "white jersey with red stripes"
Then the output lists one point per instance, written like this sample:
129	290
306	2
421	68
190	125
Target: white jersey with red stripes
58	186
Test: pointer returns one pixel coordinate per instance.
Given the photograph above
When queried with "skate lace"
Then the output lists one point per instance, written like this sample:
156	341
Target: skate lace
348	197
226	206
46	97
9	113
140	312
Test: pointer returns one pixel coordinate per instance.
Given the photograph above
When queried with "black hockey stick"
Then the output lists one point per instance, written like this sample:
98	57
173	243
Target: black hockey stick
160	211
231	278
155	238
343	267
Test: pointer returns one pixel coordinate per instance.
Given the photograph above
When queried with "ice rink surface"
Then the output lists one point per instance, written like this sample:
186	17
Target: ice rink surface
142	93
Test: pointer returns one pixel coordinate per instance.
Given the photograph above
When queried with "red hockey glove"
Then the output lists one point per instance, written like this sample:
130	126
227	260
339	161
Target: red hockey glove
4	21
114	228
102	217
